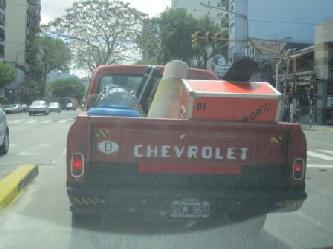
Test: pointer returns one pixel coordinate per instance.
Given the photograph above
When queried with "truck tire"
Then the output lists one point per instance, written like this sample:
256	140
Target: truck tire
5	144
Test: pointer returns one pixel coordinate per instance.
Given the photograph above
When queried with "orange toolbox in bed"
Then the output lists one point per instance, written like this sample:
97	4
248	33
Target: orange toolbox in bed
234	101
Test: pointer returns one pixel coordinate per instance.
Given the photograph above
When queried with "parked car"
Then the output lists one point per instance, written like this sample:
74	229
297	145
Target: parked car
70	106
39	106
4	132
17	108
25	107
54	107
9	109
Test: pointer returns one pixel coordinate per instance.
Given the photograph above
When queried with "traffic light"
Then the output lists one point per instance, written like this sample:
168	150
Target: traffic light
194	40
218	36
209	37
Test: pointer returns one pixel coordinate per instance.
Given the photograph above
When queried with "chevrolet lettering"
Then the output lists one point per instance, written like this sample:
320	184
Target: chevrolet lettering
189	152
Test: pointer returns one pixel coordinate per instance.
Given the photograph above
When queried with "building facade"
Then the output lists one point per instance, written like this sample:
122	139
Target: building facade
22	23
22	19
2	28
323	66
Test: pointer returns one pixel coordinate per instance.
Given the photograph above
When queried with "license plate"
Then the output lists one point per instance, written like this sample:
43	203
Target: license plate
190	208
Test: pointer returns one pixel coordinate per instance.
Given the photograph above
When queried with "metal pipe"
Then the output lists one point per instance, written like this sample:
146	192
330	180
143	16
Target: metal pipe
277	83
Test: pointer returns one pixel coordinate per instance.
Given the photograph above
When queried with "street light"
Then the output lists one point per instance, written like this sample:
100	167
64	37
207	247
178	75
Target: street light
230	12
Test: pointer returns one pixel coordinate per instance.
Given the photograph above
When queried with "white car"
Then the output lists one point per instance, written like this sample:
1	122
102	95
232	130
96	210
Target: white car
4	132
39	107
70	106
54	107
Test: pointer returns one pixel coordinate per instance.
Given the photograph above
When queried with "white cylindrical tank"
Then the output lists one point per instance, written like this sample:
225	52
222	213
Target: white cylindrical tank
166	103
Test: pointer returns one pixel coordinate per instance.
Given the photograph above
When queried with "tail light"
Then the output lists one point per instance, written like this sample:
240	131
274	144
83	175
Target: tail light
77	165
298	169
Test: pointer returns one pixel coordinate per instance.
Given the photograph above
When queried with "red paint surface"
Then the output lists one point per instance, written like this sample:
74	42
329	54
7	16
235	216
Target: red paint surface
186	169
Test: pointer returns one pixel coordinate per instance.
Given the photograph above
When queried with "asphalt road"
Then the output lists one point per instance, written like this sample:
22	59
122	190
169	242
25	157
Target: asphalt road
40	218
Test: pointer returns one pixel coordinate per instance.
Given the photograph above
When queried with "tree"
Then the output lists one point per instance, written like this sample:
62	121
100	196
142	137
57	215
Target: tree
28	91
213	42
70	87
176	28
169	37
50	54
99	31
149	41
7	74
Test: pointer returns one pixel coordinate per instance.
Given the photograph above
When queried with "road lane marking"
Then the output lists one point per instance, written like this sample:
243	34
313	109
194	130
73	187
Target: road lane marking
320	166
46	121
62	121
12	145
17	121
26	153
319	155
330	152
31	121
44	145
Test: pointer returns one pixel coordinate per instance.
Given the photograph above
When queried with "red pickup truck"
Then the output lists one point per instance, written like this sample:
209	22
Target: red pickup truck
181	168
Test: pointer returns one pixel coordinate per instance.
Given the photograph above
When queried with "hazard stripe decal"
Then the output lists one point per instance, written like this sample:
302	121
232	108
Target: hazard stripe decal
102	133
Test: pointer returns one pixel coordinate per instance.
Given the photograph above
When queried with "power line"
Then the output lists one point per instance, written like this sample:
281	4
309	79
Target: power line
286	22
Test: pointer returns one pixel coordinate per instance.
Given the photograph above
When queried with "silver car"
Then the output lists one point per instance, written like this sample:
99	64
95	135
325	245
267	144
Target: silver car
54	107
4	132
39	107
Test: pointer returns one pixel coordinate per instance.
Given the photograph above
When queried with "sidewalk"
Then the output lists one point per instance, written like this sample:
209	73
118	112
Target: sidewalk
315	127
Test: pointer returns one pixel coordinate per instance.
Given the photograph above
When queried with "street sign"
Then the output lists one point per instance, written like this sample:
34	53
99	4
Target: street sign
219	65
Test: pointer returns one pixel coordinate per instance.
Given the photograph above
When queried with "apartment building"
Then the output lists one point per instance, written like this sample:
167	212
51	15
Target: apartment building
2	28
22	23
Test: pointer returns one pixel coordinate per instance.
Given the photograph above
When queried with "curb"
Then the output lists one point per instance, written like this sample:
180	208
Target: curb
15	182
317	128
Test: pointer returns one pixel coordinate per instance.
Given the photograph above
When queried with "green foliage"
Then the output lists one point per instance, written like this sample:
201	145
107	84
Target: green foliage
176	28
150	43
28	91
99	31
70	87
208	48
50	54
7	74
170	37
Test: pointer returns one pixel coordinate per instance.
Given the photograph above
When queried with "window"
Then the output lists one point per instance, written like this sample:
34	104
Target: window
2	51
2	34
129	82
2	19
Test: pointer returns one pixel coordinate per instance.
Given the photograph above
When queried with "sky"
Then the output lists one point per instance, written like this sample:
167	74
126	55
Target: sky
55	8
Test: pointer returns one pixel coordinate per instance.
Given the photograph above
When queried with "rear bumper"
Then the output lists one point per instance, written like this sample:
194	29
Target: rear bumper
37	110
222	201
